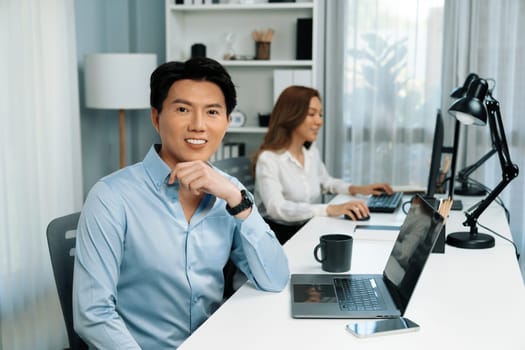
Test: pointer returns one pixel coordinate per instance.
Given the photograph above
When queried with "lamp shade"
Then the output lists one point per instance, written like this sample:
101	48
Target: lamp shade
471	108
461	90
118	80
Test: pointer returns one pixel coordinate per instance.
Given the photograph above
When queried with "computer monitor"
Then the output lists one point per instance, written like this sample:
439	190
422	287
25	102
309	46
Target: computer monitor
435	160
438	149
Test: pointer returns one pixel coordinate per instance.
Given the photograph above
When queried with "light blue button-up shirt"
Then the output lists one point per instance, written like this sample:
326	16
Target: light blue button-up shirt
144	277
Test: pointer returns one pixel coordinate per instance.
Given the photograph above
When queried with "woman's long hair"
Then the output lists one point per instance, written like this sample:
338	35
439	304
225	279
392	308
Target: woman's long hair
289	112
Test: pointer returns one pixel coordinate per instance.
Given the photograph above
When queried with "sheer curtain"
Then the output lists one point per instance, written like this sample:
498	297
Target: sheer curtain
383	115
486	38
397	72
40	175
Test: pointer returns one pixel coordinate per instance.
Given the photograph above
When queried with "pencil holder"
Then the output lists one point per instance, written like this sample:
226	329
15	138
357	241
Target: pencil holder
262	50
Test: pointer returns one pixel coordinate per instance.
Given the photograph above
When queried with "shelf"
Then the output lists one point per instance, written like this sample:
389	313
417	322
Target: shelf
242	7
266	63
211	24
248	130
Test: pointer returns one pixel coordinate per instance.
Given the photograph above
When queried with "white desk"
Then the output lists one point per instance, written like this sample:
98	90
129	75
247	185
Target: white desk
465	299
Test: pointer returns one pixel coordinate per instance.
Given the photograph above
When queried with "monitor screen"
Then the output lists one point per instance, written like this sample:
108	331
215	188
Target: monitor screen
435	160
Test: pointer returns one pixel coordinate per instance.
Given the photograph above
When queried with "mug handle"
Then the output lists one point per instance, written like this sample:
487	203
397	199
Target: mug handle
316	249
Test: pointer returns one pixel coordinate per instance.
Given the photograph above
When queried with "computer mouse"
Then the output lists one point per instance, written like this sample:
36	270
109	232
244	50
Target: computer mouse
363	218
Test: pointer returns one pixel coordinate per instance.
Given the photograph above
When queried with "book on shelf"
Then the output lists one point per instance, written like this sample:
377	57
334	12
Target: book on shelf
229	150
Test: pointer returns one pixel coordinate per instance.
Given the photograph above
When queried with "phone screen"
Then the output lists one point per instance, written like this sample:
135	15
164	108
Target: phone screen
366	328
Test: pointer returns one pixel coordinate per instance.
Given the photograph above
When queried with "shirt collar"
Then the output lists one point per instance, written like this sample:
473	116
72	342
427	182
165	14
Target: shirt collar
156	168
306	153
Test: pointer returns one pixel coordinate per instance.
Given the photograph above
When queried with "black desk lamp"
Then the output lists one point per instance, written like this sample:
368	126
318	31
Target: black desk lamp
475	108
466	188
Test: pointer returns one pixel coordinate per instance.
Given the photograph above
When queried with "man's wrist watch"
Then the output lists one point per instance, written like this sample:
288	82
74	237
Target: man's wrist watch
246	202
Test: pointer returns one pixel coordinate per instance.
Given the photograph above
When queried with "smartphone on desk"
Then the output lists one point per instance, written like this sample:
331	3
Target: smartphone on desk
368	328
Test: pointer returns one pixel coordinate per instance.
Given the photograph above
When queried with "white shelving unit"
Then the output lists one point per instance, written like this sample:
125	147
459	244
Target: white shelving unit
248	130
209	25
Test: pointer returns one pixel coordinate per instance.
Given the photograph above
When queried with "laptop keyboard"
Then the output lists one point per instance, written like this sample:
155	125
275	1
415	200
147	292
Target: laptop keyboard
384	203
357	294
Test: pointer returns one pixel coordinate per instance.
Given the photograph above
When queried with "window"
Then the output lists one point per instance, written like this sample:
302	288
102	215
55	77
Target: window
392	88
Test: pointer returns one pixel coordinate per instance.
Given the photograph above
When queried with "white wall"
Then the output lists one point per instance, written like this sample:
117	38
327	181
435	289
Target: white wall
115	26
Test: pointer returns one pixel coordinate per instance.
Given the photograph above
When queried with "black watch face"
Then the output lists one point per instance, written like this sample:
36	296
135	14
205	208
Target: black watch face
246	198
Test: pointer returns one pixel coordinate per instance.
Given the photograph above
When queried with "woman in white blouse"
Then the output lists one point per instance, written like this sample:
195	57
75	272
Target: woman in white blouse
290	176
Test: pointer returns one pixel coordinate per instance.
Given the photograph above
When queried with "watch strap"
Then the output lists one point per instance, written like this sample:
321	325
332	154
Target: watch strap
245	203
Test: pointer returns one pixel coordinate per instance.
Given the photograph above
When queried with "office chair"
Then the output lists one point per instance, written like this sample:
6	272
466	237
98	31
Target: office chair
61	238
240	168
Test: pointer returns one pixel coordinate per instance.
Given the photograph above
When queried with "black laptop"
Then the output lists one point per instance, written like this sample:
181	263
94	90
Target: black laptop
373	295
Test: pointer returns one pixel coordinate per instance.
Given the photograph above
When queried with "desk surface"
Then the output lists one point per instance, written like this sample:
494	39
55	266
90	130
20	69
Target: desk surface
465	299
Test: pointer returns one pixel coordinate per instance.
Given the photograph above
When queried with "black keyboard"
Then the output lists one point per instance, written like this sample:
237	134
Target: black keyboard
385	203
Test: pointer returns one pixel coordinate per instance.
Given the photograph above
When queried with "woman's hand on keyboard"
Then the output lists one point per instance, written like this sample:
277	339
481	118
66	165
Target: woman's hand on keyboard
374	189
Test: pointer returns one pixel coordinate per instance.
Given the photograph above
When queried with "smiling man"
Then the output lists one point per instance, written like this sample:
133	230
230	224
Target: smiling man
153	237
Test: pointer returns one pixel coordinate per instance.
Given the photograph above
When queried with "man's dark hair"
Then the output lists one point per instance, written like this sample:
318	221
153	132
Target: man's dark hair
198	68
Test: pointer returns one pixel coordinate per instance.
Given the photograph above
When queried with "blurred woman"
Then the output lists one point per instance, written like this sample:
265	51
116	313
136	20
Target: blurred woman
290	177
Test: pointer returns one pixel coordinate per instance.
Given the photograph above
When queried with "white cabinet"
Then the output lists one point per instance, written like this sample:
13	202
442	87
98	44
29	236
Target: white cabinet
213	24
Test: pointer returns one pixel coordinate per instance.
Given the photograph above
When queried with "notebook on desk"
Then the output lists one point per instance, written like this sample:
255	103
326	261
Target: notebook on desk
386	295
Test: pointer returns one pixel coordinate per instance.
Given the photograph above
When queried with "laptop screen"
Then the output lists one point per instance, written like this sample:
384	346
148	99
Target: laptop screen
314	293
414	243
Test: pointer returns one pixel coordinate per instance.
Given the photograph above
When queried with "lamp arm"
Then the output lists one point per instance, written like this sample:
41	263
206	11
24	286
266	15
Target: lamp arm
509	170
472	218
465	172
497	132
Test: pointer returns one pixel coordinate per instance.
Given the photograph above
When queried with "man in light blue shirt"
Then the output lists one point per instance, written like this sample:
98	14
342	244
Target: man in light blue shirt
153	238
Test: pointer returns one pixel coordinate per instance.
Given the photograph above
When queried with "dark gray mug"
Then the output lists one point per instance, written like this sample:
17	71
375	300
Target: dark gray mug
336	252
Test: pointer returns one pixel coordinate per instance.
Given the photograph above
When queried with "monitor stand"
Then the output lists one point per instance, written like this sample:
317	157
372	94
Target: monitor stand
457	204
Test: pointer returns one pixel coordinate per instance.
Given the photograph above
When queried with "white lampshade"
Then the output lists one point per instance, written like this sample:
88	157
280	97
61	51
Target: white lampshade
118	80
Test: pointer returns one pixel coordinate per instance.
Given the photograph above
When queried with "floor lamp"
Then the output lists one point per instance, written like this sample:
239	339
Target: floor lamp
118	81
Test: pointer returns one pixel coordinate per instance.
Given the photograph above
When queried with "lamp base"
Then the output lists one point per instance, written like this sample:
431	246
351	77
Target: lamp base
470	190
469	240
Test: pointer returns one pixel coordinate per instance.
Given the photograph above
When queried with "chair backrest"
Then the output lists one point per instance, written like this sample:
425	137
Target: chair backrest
61	238
240	168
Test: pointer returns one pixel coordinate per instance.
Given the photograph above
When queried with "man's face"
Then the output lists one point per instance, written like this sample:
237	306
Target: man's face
192	123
